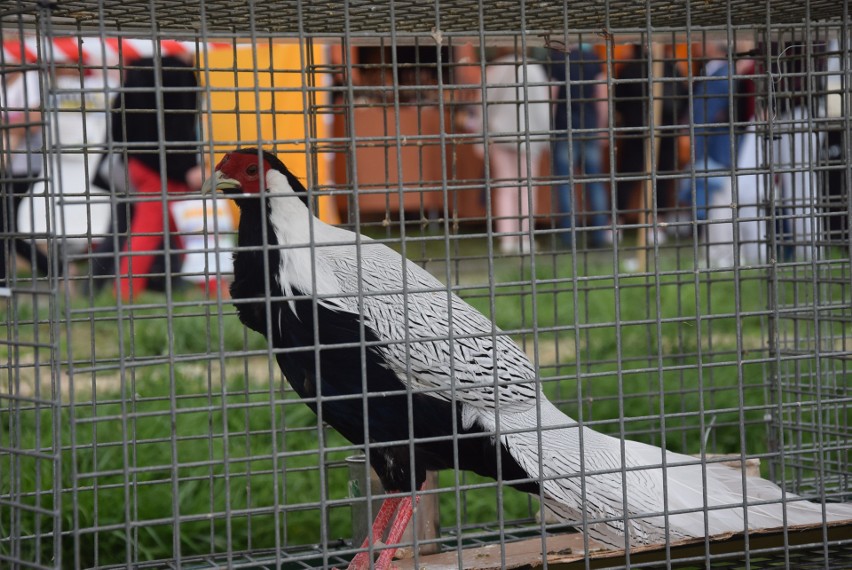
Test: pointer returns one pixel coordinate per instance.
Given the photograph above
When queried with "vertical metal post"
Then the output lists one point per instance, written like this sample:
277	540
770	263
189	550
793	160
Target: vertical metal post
769	209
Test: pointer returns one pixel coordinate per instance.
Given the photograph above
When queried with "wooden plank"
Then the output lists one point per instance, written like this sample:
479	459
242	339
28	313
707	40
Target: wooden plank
566	551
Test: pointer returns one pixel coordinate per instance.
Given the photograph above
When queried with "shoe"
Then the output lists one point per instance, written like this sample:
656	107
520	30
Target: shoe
510	245
514	245
657	235
604	238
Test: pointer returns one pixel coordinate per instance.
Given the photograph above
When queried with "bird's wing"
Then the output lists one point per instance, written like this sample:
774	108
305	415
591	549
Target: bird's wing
431	339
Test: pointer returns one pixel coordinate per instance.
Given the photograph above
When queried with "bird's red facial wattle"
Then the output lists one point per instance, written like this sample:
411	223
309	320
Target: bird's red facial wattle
238	173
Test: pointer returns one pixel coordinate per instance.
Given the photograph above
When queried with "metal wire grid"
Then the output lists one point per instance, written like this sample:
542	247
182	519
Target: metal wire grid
93	429
808	333
365	19
29	349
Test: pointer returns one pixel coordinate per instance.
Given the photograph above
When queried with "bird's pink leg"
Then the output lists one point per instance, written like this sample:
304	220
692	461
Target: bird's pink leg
402	518
362	559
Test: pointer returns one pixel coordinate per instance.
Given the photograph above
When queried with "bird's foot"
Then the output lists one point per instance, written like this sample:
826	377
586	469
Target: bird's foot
377	532
406	509
385	561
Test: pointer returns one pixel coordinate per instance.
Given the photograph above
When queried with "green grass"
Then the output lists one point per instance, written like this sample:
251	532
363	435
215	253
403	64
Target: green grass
220	446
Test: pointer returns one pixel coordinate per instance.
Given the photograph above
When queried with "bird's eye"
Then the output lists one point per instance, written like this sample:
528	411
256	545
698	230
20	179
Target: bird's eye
251	170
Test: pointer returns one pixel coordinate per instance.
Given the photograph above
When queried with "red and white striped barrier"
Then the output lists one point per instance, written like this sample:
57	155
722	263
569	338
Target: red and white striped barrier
98	51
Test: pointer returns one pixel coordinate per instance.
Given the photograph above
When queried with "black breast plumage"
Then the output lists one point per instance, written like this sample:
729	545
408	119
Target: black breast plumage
333	371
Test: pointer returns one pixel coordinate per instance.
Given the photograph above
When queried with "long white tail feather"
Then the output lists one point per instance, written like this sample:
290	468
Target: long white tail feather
637	485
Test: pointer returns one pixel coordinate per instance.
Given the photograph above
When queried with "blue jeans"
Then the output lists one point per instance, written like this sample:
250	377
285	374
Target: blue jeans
700	189
587	158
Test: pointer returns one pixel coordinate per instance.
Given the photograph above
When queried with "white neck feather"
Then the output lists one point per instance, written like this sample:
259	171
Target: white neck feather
289	216
295	226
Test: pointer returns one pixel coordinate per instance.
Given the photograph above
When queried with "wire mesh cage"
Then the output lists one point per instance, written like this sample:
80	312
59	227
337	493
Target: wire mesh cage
650	201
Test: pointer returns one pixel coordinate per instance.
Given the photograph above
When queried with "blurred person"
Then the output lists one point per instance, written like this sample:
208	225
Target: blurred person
23	158
631	103
143	104
66	204
577	145
796	190
712	116
517	98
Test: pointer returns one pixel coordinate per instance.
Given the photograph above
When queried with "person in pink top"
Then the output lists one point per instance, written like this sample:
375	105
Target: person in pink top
517	102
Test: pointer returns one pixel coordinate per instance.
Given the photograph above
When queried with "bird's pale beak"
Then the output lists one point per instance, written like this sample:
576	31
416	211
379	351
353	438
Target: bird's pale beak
218	182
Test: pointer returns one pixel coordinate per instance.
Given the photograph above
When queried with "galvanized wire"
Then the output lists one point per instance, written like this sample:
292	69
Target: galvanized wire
142	420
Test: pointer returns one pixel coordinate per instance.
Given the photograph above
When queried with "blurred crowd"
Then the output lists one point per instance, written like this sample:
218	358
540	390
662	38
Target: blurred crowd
601	149
576	116
664	139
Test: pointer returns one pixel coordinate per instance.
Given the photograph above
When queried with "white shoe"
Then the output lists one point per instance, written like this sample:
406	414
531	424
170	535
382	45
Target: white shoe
655	235
514	245
510	245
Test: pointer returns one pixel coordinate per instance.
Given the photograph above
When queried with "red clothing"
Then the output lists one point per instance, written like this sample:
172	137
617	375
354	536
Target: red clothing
147	233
